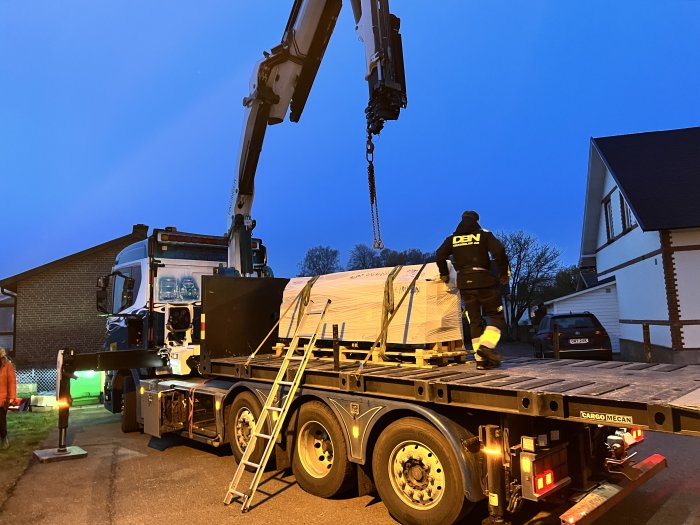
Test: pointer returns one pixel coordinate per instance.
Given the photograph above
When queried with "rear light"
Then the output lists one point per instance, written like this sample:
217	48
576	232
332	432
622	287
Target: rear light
544	481
598	332
543	472
637	434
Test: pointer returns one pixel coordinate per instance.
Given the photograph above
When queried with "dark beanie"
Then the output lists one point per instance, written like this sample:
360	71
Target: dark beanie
470	214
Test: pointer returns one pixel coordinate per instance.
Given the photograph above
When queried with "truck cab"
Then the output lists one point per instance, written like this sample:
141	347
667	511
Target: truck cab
152	301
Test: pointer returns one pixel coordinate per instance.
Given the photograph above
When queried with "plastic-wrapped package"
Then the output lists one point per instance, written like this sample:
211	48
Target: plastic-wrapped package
430	313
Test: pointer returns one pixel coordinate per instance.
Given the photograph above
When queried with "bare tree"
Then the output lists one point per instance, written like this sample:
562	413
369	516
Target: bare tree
565	282
320	260
363	257
533	265
391	257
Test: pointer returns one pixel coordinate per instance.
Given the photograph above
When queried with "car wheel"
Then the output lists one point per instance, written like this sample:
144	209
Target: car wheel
319	452
538	351
417	474
242	416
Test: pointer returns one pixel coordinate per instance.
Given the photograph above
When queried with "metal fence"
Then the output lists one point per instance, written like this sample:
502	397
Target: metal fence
45	378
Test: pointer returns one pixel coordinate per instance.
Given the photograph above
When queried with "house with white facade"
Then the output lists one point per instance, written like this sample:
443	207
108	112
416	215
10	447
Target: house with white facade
641	241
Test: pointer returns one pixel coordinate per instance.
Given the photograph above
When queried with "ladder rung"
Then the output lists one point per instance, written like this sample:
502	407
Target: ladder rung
264	436
305	336
237	493
314	312
296	358
275	409
251	464
285	383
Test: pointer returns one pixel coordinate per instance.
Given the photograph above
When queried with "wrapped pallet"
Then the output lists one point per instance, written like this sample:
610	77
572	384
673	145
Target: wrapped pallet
361	301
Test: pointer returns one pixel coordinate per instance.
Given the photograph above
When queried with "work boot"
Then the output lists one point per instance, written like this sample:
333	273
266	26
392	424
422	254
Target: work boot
4	443
487	364
490	354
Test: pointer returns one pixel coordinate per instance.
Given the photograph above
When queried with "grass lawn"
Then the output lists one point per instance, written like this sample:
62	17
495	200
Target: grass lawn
26	432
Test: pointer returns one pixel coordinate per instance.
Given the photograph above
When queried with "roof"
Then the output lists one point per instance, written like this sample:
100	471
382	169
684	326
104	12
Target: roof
659	175
139	232
610	281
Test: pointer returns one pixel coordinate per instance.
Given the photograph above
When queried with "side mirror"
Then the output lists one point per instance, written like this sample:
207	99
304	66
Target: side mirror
103	282
104	302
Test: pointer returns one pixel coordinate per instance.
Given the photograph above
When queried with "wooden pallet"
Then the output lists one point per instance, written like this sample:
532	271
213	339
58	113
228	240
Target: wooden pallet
438	354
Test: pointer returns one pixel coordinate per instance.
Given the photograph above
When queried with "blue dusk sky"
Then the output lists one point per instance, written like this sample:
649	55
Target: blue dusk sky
114	113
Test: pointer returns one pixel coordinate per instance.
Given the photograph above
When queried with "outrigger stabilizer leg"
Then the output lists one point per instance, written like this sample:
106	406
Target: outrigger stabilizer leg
65	370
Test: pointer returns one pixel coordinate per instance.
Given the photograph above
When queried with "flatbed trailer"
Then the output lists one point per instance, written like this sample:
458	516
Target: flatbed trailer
659	397
526	397
432	441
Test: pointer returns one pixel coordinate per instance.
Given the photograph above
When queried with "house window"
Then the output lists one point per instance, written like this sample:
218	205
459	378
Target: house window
628	220
609	225
7	322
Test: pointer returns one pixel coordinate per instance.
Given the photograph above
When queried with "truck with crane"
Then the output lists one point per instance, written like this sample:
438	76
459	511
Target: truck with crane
194	350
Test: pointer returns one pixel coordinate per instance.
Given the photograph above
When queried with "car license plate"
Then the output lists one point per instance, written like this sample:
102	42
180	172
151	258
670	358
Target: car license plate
578	341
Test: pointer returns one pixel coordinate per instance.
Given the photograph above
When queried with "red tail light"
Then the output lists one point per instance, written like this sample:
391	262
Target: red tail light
544	480
637	434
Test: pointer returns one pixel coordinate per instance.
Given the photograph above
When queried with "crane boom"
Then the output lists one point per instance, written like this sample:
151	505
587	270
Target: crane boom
282	81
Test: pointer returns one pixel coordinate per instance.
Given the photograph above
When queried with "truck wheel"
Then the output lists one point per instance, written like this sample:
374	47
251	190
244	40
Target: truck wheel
417	474
242	418
319	454
129	422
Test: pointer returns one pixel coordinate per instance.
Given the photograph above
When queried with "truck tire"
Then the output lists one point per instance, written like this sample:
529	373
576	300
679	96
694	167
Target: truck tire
129	422
417	474
242	417
319	454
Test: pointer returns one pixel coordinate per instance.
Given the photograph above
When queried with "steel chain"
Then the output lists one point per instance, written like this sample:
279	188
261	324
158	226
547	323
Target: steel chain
377	243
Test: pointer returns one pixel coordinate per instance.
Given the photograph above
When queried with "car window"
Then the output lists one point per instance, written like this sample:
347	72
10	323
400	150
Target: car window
572	323
179	285
121	298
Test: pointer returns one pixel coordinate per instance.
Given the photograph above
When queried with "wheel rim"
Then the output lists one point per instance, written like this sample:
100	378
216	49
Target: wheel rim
315	449
416	475
245	424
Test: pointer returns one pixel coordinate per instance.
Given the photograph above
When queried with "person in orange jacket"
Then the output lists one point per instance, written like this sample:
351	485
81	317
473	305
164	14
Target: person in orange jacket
8	393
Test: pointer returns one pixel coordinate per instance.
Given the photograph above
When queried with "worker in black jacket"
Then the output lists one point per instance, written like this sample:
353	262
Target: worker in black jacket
470	246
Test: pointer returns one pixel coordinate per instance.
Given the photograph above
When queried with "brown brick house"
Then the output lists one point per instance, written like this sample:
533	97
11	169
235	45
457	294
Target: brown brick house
55	303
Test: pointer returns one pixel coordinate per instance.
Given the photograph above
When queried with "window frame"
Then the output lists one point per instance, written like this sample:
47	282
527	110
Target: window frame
11	303
133	272
628	219
609	221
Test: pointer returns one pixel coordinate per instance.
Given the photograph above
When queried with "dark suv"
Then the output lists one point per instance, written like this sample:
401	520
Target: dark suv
581	336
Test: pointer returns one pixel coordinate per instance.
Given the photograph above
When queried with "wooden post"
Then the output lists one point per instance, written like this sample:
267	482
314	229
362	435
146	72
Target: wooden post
555	341
647	342
336	349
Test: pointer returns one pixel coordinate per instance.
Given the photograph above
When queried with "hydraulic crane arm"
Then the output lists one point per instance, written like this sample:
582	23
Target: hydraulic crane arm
282	80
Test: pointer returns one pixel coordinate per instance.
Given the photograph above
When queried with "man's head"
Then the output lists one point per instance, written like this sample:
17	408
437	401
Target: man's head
470	214
3	354
469	222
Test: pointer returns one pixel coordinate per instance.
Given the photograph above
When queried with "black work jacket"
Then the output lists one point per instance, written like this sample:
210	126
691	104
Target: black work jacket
470	248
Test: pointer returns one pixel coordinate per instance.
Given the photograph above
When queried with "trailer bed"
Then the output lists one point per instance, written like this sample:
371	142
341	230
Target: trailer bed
661	397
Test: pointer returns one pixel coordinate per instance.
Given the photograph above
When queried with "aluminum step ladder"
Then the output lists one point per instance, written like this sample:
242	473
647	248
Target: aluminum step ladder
279	413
